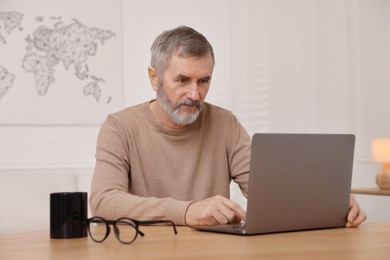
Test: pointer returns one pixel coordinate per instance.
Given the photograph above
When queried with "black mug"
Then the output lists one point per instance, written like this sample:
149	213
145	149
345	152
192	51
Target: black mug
68	214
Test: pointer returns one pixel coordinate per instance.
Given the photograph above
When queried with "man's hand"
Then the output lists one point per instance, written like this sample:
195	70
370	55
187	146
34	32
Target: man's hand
213	211
356	215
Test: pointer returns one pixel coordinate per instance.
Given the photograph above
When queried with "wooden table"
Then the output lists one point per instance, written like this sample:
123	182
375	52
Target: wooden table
371	191
369	241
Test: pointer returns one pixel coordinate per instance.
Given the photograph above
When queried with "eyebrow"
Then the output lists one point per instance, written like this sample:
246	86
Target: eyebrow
181	76
207	78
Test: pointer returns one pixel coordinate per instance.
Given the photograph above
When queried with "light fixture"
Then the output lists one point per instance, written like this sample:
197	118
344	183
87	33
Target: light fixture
380	148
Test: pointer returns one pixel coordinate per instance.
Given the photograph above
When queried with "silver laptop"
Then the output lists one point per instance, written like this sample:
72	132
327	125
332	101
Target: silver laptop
296	182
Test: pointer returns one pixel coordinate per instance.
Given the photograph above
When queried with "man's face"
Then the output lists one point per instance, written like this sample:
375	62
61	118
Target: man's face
184	88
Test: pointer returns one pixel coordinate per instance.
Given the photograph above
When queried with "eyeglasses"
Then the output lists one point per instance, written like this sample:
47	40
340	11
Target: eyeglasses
126	229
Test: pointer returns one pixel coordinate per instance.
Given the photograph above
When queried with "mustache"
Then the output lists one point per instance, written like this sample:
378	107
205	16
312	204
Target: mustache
190	102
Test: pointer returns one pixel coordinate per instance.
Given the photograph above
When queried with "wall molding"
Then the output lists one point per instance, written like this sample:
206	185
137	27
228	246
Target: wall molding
47	167
365	158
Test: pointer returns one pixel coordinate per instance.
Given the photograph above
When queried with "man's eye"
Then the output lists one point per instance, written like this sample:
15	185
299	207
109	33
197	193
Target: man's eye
204	81
182	80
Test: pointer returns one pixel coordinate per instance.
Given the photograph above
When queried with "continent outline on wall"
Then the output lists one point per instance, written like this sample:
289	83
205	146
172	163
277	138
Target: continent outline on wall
70	44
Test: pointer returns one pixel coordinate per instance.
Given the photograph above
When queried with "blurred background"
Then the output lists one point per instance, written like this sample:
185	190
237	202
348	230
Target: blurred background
288	66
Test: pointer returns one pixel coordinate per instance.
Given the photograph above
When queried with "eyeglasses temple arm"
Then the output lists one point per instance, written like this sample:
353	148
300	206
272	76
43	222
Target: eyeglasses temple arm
151	222
140	233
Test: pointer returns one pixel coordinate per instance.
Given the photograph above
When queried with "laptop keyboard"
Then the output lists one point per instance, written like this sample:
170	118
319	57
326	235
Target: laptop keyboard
233	226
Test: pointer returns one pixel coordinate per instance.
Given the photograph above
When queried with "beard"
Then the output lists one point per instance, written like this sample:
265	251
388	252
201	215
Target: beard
173	110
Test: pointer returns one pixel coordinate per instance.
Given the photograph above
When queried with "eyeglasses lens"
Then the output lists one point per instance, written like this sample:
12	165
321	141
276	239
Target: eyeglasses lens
126	230
98	229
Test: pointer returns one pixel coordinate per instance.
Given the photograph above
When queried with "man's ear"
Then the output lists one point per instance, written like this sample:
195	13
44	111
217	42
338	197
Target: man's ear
153	78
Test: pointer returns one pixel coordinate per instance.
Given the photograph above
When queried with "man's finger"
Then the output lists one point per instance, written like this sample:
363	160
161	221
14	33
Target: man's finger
238	211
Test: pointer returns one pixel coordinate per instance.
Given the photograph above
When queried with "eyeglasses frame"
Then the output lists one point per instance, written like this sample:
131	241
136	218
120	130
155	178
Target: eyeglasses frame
137	224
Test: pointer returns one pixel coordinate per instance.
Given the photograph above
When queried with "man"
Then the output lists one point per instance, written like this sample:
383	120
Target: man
174	157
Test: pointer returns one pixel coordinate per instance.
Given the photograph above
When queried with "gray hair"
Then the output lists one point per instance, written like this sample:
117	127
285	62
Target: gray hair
183	41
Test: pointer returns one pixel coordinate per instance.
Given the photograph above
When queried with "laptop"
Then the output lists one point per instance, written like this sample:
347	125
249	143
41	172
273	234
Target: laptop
297	182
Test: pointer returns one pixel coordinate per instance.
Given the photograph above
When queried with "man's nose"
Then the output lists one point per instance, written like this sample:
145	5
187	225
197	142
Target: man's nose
193	92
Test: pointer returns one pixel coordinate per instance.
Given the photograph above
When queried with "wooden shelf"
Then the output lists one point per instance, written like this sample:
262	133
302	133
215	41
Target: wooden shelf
371	191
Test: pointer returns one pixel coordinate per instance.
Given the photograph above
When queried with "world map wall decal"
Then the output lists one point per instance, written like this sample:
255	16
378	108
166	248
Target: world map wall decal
60	64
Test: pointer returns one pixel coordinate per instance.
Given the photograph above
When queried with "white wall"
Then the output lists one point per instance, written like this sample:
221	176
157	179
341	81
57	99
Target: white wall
318	66
281	66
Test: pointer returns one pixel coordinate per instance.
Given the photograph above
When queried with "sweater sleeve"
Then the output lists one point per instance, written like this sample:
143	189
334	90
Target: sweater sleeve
110	197
239	149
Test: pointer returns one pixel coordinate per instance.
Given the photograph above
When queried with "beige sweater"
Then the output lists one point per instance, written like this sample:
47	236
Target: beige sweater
145	171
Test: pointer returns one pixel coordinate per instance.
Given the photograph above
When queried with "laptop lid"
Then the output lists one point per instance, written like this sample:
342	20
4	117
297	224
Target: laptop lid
299	181
296	182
